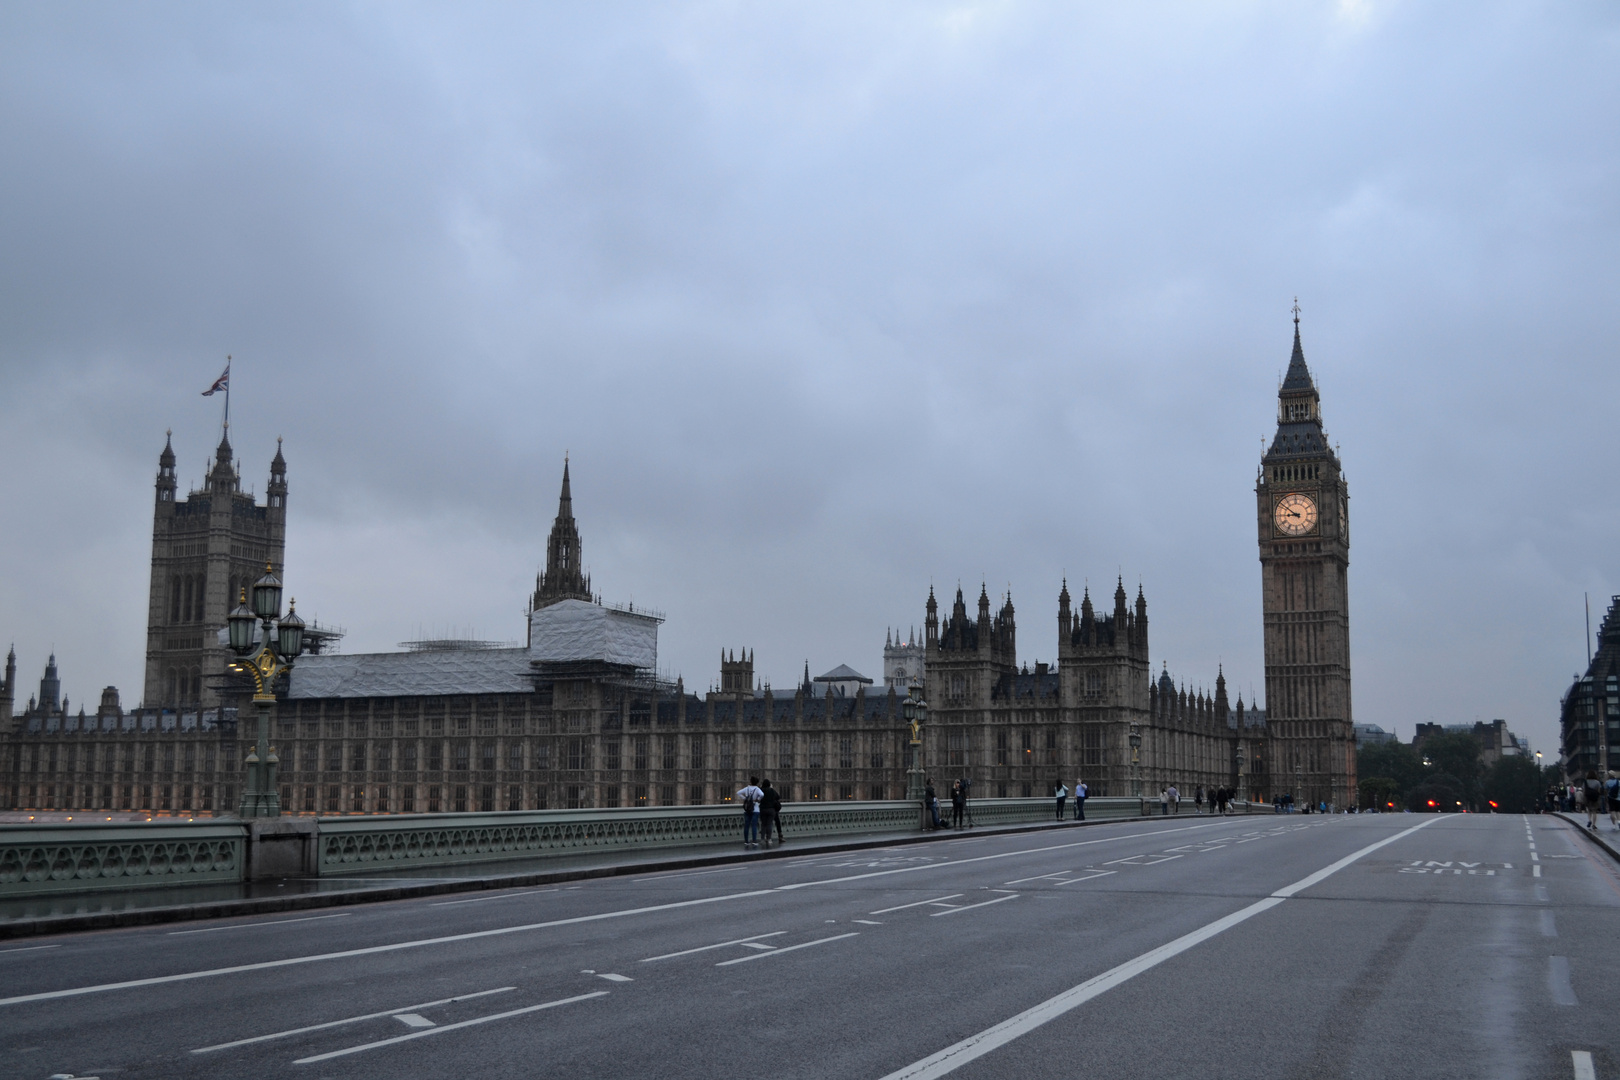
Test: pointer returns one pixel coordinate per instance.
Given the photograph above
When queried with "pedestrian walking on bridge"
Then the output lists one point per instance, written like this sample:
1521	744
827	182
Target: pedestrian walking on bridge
1081	793
1062	797
1175	799
958	804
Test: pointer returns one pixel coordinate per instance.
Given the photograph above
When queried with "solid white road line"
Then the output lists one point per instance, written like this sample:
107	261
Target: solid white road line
291	961
256	925
976	1046
446	1027
787	949
706	948
919	903
693	873
610	977
493	896
351	1020
1558	981
970	907
1582	1060
28	948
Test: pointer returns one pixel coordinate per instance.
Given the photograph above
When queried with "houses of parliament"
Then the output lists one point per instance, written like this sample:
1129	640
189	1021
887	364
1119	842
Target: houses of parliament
577	717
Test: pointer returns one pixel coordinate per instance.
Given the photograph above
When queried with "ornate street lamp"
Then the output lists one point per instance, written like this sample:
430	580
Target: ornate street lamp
1136	761
1241	787
915	710
280	640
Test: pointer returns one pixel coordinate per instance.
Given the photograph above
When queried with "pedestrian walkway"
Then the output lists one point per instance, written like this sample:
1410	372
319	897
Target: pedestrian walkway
136	907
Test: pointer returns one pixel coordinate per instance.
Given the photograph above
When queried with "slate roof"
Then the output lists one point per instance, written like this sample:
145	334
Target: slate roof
842	673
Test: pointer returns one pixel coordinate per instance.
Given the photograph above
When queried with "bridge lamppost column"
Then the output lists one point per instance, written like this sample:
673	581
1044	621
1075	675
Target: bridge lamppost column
915	710
1242	788
280	642
1135	739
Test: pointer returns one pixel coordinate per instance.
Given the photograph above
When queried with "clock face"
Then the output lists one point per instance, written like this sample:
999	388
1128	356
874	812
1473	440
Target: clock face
1295	515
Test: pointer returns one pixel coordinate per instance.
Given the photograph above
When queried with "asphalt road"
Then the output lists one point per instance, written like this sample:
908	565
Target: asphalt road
1252	947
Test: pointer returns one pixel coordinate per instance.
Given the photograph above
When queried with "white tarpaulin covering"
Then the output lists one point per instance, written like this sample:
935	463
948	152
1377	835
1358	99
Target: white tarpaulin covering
567	631
575	630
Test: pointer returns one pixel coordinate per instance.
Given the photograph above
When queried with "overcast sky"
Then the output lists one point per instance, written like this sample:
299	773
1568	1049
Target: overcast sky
828	303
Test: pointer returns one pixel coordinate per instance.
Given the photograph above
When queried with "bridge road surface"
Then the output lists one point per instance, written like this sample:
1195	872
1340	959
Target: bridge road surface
1252	947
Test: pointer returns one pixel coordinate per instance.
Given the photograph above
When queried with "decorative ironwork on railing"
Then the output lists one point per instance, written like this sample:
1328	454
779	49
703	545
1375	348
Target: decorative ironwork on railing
65	858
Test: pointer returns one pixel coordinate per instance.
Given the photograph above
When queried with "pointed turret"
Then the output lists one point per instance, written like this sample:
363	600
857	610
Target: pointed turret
1119	603
165	475
50	687
1065	619
276	493
222	478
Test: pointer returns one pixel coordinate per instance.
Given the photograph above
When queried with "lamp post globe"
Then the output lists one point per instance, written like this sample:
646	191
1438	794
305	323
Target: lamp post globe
267	595
290	633
239	625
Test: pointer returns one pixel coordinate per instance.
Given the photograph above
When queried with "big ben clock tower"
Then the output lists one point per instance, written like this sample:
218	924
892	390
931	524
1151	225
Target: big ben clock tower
1304	533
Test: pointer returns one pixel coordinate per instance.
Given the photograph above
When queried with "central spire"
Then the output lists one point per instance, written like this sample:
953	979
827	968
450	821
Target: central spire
564	577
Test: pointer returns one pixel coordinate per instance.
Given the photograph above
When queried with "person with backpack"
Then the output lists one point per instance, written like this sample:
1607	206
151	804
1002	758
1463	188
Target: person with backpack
770	814
1081	793
1175	799
750	797
1591	792
931	803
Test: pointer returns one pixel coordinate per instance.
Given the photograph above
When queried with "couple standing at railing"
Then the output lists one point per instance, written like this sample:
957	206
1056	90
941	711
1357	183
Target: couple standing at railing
1081	794
760	804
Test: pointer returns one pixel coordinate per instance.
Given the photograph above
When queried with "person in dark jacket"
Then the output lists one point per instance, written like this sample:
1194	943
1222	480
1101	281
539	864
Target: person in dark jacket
931	803
958	804
770	815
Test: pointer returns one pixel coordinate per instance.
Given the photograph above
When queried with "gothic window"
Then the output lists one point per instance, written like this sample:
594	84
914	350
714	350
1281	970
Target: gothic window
638	753
190	758
486	755
174	599
197	607
1091	746
784	752
461	752
756	751
578	754
815	750
876	759
956	686
956	748
610	754
1001	747
697	752
727	760
357	757
385	757
435	756
542	760
846	752
1094	683
667	761
514	754
334	758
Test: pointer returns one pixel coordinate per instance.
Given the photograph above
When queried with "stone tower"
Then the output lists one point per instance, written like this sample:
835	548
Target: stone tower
1304	536
205	549
564	577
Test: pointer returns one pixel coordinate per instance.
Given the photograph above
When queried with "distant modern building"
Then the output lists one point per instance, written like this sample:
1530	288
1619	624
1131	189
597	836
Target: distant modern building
1495	740
1589	715
1372	734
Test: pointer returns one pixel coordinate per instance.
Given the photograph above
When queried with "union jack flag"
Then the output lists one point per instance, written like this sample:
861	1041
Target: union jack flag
221	383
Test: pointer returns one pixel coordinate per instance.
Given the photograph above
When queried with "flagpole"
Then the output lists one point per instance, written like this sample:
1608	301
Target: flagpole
227	395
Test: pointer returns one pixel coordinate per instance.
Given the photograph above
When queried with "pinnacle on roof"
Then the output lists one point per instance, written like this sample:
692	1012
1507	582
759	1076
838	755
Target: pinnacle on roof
166	459
278	463
1299	376
565	502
